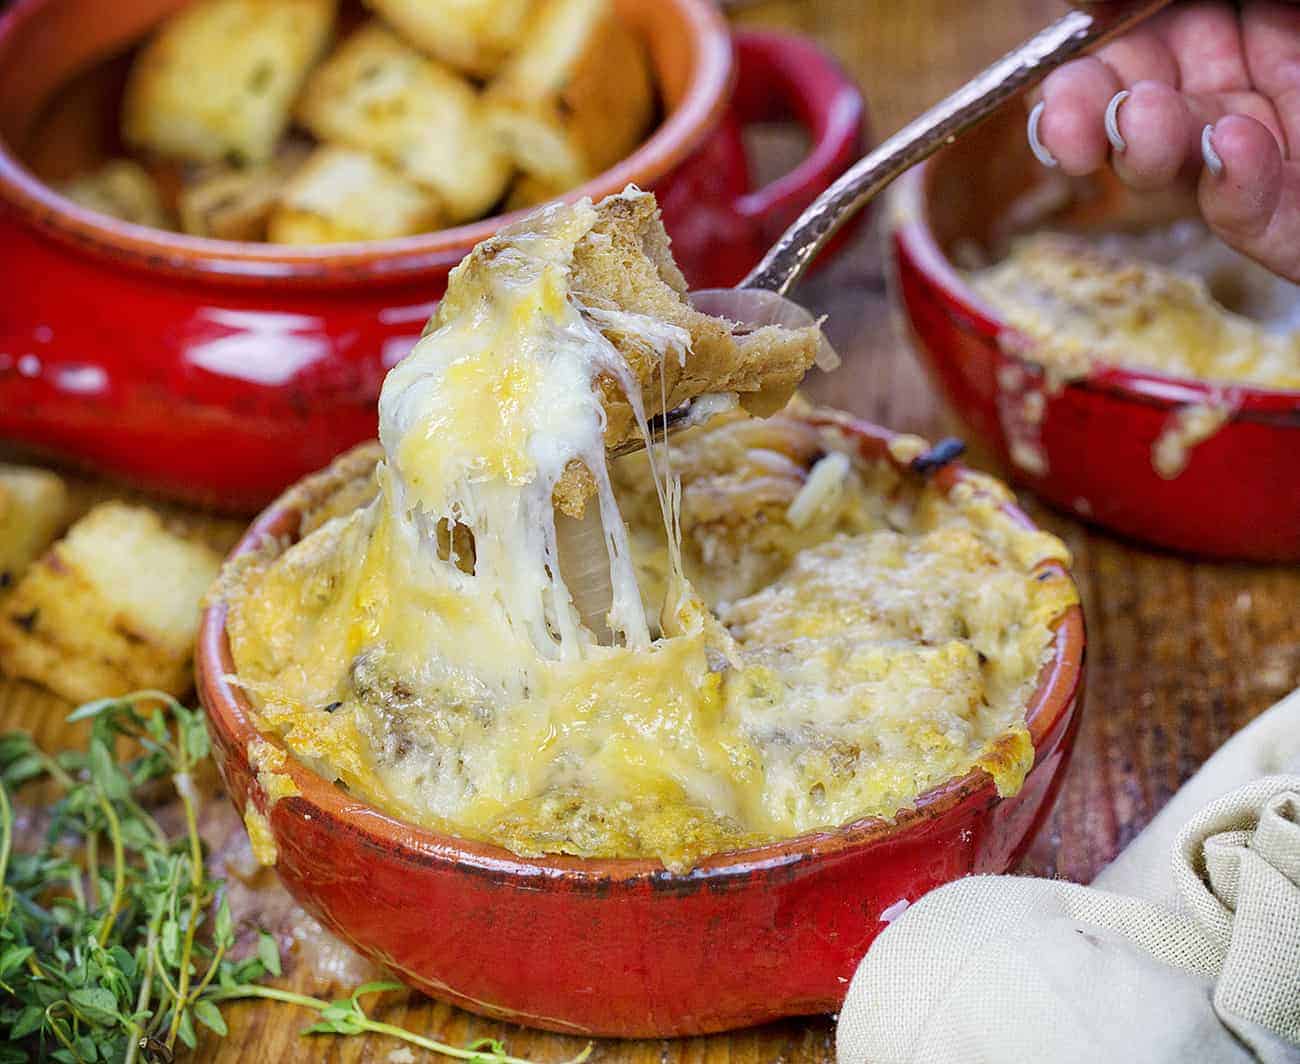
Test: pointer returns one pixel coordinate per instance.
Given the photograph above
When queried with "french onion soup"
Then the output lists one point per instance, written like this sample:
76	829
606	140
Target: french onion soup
1171	299
795	638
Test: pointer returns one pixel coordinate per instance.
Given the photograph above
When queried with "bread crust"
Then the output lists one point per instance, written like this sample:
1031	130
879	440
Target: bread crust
624	280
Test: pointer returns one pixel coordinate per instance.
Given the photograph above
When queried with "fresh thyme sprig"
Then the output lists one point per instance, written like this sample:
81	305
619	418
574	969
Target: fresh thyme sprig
346	1016
114	940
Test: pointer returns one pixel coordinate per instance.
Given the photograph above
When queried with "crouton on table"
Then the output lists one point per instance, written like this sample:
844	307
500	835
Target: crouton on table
33	507
110	608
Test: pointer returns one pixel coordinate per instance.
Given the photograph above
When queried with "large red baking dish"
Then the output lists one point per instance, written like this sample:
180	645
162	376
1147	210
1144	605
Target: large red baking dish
221	372
623	947
1091	453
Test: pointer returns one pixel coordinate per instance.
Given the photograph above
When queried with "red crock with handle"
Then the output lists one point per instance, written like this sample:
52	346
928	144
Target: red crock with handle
1089	448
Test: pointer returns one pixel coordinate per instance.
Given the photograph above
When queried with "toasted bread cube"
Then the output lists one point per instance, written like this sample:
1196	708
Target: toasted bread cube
121	188
33	507
528	191
236	203
110	608
342	194
474	36
377	94
217	82
577	97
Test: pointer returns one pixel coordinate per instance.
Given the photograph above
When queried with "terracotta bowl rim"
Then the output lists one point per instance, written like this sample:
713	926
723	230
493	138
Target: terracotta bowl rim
708	91
1053	702
914	231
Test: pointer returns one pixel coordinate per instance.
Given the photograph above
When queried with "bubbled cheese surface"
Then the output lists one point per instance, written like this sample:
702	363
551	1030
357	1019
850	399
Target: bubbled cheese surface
1084	304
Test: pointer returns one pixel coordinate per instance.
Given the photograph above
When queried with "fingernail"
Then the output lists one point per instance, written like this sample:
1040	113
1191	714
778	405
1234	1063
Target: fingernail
1113	134
1213	161
1035	145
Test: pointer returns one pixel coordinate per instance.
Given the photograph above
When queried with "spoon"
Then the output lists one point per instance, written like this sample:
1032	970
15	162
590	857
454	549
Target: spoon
760	299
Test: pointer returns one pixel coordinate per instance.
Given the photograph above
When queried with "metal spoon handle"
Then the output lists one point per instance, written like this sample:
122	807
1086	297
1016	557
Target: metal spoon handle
1019	69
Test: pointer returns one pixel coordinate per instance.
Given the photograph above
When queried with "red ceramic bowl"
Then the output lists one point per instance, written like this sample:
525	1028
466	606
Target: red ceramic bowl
1239	495
220	372
624	947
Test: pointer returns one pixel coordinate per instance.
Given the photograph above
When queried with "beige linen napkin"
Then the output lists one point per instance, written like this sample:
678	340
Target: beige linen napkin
1186	948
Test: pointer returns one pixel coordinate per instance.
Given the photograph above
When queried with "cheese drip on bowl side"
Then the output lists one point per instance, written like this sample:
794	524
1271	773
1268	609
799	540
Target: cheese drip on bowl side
419	644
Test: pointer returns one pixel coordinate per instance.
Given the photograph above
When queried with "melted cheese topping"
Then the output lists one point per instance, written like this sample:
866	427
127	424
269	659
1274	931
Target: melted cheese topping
479	423
818	671
796	639
1084	303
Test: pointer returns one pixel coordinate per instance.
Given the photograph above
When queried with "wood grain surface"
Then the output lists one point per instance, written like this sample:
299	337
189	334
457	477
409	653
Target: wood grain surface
1181	654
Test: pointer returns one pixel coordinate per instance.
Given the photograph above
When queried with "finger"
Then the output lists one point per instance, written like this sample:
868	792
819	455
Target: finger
1156	131
1205	39
1159	136
1271	36
1140	55
1071	127
1208	107
1253	202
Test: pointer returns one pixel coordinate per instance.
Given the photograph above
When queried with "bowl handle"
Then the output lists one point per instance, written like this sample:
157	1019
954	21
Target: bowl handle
782	76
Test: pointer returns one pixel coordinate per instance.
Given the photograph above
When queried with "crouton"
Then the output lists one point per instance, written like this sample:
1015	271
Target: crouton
111	608
342	194
577	97
33	507
217	82
122	189
529	191
377	94
474	36
231	203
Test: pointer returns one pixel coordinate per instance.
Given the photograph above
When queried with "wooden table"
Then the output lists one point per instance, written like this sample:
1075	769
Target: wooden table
1181	654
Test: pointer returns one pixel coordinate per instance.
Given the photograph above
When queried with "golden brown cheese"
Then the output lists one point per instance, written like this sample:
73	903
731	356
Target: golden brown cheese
621	274
861	660
268	761
887	644
1083	306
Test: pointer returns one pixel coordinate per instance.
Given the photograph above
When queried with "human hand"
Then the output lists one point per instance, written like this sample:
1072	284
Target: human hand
1205	92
